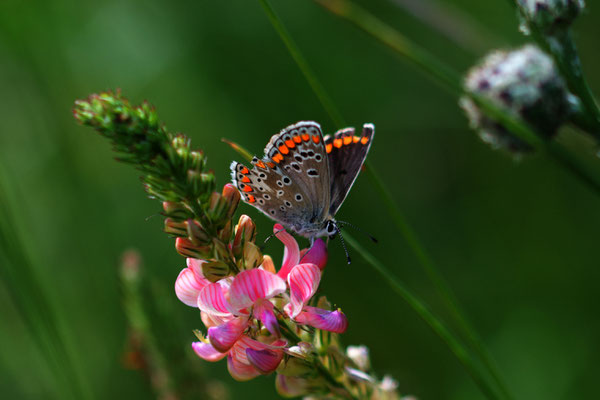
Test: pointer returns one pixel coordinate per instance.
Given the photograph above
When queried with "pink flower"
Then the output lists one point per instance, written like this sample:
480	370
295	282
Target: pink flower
303	281
190	282
229	308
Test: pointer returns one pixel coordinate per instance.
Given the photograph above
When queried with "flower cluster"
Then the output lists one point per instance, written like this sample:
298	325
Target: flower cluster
548	16
524	82
249	315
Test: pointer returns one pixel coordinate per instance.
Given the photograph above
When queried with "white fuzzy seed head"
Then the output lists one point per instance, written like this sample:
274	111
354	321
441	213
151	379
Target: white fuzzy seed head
523	82
549	16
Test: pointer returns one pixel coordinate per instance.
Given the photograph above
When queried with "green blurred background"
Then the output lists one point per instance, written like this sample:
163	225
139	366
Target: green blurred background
517	241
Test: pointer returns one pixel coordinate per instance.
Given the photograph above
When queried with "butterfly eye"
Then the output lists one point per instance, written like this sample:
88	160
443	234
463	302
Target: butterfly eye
330	228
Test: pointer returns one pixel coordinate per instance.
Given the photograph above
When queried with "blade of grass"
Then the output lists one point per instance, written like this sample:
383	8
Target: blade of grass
314	83
402	224
35	307
421	308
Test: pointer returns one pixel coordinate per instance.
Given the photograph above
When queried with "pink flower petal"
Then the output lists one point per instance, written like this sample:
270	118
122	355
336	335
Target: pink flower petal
249	286
224	336
196	266
303	280
317	254
207	352
211	320
266	361
187	287
240	371
332	321
291	386
212	300
263	310
291	254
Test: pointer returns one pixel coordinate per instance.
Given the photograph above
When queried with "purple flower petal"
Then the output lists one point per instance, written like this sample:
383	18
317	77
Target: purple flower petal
263	310
332	321
266	361
207	352
224	336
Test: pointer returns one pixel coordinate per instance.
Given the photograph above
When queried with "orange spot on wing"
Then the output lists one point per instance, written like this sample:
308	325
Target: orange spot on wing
328	147
316	138
283	149
244	171
355	139
271	165
297	139
290	143
261	164
247	188
277	158
306	137
251	199
364	140
337	143
246	179
347	140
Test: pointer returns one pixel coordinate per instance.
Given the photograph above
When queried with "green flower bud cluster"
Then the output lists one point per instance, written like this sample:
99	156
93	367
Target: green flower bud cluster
548	16
172	171
199	217
525	83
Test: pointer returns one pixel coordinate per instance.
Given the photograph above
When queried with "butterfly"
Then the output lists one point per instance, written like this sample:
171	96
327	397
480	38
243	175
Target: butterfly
303	178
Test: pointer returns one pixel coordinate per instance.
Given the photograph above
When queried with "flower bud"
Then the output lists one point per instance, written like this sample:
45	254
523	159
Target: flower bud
215	270
245	231
232	196
186	248
251	257
176	228
220	250
524	83
359	355
176	211
196	233
293	366
548	16
224	234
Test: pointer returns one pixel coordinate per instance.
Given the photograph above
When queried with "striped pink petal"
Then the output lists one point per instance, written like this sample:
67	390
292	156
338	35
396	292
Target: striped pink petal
187	287
224	336
316	254
332	321
249	286
211	320
291	253
207	352
196	266
266	361
212	300
303	280
239	349
240	371
263	310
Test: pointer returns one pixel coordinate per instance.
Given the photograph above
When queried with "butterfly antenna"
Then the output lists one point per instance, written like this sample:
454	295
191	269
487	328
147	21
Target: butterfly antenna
373	239
343	243
271	235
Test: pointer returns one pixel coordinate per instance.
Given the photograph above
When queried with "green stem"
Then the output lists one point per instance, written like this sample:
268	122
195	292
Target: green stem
314	83
440	284
436	324
290	335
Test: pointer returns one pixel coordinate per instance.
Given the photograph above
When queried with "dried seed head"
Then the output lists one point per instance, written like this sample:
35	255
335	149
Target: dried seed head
523	82
549	16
